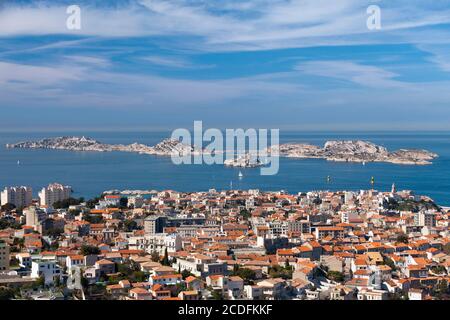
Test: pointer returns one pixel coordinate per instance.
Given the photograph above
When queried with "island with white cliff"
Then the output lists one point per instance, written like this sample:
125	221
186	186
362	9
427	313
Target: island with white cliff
356	151
335	150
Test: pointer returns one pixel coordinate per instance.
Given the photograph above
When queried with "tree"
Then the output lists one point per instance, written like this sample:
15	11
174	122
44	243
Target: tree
92	202
185	273
216	295
57	282
165	260
53	232
335	276
64	204
40	282
245	214
7	223
155	256
6	293
84	282
246	274
8	207
280	272
389	263
123	202
402	238
93	218
447	248
88	249
124	268
438	269
180	287
130	225
138	276
441	289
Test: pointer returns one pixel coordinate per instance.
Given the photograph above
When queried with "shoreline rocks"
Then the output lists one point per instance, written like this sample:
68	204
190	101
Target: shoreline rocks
356	151
334	150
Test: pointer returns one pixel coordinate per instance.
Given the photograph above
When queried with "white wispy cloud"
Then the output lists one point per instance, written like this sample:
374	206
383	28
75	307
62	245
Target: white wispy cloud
65	84
231	25
89	60
39	75
174	62
88	77
365	75
440	55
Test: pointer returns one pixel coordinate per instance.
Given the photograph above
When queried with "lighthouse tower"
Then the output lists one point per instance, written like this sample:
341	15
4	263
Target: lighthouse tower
393	189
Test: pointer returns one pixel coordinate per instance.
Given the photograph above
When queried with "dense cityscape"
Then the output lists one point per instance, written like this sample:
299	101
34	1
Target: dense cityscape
207	159
223	245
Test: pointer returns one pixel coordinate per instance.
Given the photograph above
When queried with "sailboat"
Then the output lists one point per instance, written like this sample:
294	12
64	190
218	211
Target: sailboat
240	175
364	163
18	162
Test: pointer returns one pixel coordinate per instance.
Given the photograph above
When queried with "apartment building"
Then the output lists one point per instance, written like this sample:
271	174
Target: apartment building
48	268
334	232
20	197
154	224
54	192
34	217
425	218
156	243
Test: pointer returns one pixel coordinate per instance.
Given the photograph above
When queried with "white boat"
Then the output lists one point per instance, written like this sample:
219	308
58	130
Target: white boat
364	163
240	175
18	162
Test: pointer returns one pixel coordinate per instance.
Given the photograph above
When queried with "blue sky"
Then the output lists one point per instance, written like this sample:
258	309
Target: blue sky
289	64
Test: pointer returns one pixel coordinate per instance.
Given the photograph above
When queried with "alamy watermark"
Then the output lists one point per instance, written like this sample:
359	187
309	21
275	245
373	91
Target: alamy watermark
374	19
238	147
73	21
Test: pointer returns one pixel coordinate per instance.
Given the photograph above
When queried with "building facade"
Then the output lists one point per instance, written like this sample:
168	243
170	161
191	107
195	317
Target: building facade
47	268
156	243
34	217
154	224
20	197
4	256
54	192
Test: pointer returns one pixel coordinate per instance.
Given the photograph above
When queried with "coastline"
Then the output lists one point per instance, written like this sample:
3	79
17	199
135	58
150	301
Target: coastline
333	150
93	172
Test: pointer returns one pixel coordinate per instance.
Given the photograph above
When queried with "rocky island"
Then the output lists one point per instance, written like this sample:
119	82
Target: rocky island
356	151
164	148
344	151
245	161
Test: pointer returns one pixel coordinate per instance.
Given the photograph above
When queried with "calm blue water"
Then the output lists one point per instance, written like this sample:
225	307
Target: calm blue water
90	173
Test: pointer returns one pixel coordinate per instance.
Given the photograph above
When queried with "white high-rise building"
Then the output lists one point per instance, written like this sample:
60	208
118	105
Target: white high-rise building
21	197
54	192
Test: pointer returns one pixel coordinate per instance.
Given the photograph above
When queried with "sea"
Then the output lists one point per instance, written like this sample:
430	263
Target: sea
91	173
